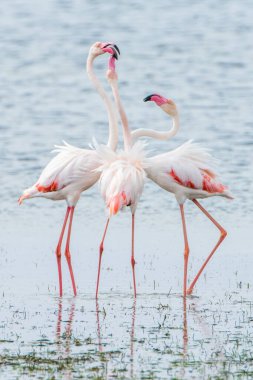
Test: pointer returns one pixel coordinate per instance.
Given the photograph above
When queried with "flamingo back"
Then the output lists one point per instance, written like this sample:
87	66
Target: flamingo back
189	165
71	166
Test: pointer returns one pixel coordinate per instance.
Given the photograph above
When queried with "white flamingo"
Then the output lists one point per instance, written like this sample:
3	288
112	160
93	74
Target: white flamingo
72	170
188	172
123	173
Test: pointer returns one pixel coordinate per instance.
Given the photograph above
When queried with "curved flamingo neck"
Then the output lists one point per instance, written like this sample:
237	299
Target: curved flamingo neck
126	131
158	135
131	136
112	117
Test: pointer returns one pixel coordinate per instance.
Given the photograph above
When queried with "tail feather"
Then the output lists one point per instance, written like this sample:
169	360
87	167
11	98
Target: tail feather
118	202
228	194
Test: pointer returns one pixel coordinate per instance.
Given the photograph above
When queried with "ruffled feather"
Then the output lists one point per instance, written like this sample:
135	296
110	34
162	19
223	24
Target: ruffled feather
189	165
122	176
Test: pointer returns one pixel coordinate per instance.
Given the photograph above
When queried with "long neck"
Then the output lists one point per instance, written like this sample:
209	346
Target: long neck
126	131
112	117
156	134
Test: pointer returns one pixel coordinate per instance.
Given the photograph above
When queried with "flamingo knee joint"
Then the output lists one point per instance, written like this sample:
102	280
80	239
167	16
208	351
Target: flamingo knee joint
223	234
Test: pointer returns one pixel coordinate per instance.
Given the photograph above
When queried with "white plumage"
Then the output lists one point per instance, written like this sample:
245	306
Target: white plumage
66	176
187	171
122	176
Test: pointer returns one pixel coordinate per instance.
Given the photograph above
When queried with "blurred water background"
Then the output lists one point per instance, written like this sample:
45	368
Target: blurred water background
199	54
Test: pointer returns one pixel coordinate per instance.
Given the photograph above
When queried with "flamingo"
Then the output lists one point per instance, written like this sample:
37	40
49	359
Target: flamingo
123	173
188	173
121	184
72	170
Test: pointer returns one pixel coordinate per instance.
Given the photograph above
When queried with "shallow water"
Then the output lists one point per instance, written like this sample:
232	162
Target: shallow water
200	55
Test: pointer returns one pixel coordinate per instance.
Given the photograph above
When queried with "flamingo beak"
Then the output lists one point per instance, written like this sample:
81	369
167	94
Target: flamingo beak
115	49
115	55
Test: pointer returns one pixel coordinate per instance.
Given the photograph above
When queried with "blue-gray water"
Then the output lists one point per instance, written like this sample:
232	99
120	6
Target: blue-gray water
197	53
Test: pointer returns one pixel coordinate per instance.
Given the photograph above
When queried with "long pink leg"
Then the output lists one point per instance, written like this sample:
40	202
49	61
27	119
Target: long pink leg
101	249
186	249
67	251
58	250
222	237
133	262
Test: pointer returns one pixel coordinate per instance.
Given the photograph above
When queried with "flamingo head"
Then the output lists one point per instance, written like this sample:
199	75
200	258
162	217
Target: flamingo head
99	48
167	105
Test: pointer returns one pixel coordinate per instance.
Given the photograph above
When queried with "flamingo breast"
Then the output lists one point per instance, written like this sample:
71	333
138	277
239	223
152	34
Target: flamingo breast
122	177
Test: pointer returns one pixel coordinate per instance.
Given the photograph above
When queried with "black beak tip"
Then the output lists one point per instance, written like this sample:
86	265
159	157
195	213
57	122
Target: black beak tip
116	47
147	98
115	55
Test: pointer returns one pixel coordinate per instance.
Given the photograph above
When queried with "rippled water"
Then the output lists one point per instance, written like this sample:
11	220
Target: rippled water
199	54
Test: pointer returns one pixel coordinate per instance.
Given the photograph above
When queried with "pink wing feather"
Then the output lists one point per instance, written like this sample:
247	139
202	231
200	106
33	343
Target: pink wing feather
189	165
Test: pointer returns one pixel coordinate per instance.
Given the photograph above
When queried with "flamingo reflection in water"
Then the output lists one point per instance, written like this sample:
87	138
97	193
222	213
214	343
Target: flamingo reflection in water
102	312
63	340
185	327
132	333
